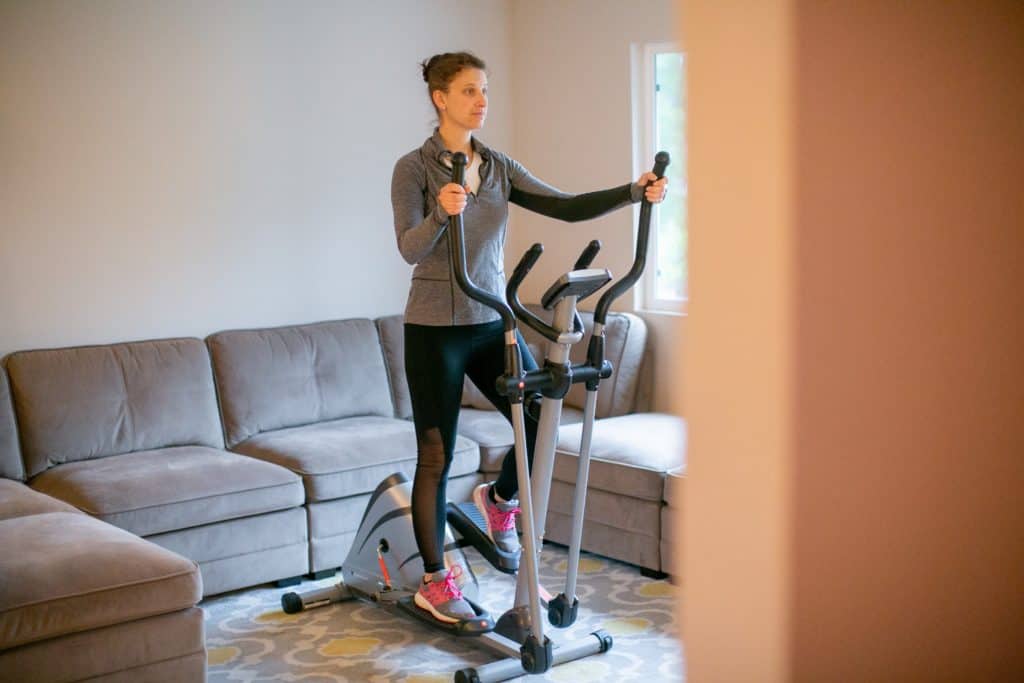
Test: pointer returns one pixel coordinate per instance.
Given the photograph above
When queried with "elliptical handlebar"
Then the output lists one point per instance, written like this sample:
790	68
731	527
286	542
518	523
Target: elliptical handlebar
661	161
457	252
587	257
513	307
512	293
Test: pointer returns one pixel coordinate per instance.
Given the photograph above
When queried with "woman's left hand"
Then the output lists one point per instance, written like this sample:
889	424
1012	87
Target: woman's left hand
655	189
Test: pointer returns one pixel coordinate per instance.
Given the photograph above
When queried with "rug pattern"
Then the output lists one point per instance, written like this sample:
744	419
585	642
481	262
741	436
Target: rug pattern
249	638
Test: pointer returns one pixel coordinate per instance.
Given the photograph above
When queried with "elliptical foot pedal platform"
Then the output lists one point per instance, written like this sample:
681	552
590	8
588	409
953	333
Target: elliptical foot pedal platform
483	623
468	521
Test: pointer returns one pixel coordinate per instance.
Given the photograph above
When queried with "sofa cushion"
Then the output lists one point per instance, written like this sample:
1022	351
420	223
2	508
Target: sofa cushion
73	573
493	433
472	397
624	347
617	526
244	552
91	402
162	649
18	500
289	376
392	340
348	457
629	454
150	492
391	329
10	455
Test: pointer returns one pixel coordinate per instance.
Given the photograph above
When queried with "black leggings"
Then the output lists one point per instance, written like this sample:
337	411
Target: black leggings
436	360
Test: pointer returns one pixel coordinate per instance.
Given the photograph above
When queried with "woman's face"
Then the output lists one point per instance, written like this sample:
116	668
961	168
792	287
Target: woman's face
465	103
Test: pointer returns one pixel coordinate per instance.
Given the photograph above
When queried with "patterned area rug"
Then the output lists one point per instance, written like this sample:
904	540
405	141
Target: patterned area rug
249	638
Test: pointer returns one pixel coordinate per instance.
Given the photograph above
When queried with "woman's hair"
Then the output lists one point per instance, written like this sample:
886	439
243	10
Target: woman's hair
439	70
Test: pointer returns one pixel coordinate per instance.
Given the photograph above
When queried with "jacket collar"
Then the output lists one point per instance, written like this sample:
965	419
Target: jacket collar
434	146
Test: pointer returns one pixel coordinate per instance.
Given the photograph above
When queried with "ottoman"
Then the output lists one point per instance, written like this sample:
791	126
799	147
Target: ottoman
81	599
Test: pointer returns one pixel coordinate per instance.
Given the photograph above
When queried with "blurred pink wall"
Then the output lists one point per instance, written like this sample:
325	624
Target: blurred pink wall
853	376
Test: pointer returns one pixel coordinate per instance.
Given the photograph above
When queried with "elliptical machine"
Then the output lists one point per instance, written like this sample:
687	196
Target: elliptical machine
382	565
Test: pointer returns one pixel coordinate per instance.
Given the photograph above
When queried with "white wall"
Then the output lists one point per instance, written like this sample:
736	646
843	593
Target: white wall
175	168
573	127
178	168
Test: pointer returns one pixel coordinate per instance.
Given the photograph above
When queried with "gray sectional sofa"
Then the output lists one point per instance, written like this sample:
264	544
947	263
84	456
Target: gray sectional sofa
131	434
137	478
316	400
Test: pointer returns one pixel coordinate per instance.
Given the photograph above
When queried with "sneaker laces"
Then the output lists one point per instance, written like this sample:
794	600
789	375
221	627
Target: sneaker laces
504	520
450	587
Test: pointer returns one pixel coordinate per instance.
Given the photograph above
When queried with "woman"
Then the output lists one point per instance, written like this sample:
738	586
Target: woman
448	335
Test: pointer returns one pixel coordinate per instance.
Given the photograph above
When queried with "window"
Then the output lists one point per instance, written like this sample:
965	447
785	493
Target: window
659	124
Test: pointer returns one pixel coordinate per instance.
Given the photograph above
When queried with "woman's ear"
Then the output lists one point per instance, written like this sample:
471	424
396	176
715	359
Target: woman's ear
438	97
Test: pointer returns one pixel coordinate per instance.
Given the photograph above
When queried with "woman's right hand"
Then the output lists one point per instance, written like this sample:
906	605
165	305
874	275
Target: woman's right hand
452	199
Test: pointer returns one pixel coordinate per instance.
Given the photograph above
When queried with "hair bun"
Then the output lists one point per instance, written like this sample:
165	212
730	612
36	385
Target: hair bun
427	64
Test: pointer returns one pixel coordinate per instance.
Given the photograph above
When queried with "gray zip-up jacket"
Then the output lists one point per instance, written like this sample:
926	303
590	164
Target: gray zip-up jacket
420	226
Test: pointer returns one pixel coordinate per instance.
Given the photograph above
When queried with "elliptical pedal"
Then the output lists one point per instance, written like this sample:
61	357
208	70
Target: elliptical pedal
468	521
473	512
468	628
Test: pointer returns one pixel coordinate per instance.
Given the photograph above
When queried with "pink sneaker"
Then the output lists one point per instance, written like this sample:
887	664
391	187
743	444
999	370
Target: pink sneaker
442	598
500	517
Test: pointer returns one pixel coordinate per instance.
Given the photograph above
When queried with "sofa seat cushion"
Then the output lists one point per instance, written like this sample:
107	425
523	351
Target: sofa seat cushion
351	456
72	573
629	454
492	431
18	500
150	492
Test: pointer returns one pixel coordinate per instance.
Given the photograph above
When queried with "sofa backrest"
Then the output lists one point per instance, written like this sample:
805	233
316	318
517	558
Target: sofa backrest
392	339
90	402
10	455
289	376
625	347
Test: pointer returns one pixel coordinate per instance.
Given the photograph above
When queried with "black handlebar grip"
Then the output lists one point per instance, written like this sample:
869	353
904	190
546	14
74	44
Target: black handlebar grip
459	168
587	257
512	293
527	261
661	160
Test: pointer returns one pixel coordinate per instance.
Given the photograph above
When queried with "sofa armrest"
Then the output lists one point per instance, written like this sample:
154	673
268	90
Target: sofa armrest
10	455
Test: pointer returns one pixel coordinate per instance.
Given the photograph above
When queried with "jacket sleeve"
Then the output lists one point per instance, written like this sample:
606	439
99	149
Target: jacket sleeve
536	195
417	229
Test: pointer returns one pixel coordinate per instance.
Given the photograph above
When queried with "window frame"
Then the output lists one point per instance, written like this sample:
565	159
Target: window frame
644	138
